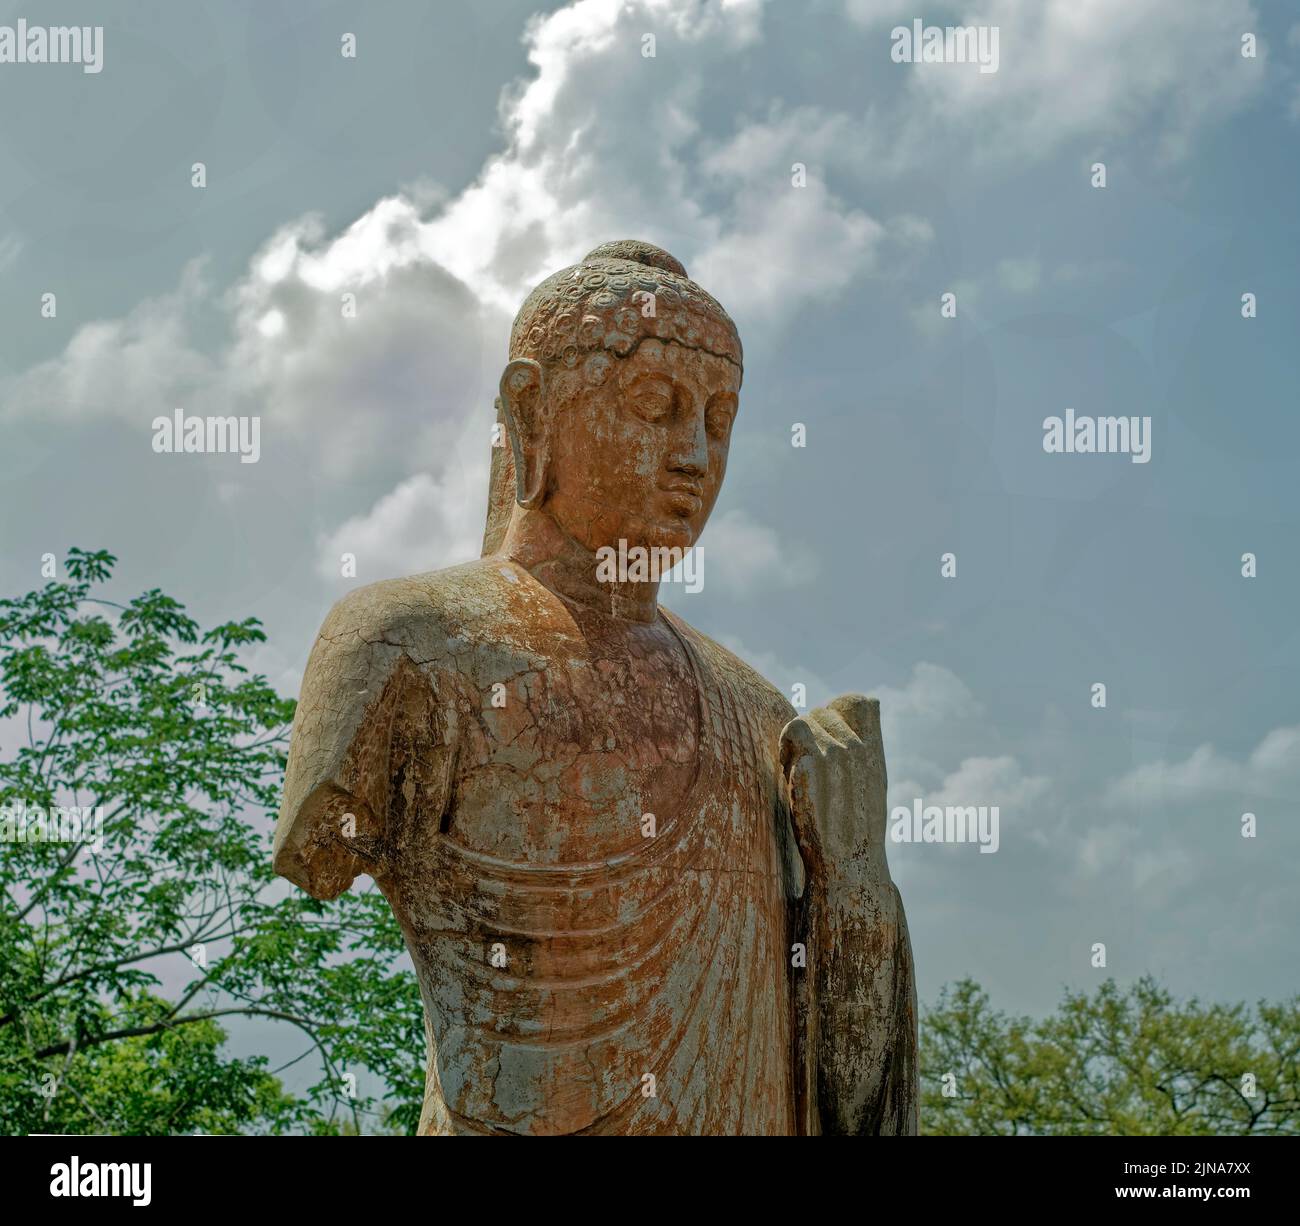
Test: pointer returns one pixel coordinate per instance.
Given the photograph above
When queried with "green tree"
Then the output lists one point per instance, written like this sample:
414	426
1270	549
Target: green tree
1125	1063
122	954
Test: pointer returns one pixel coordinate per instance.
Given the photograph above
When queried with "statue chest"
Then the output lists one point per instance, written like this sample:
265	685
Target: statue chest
574	762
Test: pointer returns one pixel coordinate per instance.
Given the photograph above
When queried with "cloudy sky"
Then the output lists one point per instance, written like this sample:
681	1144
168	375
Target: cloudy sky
468	150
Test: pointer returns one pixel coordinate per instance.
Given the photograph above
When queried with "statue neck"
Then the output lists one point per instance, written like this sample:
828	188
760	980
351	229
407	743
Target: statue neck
537	543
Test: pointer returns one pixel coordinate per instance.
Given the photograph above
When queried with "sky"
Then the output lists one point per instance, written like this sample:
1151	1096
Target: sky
467	151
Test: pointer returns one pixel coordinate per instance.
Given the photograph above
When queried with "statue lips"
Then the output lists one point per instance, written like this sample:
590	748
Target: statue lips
685	497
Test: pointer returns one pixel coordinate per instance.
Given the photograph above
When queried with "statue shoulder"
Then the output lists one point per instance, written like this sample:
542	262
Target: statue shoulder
761	694
422	616
379	681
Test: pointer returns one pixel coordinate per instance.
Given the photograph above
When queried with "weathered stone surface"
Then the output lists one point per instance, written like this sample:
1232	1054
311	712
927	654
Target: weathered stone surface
604	836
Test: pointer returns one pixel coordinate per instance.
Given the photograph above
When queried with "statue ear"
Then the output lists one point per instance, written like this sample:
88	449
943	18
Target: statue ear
523	406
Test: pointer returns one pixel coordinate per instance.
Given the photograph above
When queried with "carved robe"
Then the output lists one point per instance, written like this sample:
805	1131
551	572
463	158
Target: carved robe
649	991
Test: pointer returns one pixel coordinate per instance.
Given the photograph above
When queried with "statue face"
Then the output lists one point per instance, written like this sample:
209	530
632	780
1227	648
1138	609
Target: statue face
643	449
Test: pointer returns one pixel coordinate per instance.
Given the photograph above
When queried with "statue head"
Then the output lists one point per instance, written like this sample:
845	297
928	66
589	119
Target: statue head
618	400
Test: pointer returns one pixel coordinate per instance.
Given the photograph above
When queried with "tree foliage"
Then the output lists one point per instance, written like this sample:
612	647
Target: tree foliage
1115	1063
120	959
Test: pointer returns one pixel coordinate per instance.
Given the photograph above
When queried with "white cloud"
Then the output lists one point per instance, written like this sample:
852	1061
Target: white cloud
1277	756
424	524
605	143
1121	852
742	556
785	238
933	697
600	144
937	747
992	781
380	391
778	241
984	783
133	368
1273	767
1081	72
388	375
1146	825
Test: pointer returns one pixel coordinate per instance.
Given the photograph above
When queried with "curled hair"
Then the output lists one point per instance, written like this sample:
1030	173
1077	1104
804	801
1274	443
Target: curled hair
620	294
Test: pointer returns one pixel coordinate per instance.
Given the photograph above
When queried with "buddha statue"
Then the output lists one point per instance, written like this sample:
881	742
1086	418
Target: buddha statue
641	893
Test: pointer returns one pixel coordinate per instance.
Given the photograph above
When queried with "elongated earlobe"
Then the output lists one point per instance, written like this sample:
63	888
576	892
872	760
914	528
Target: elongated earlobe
523	407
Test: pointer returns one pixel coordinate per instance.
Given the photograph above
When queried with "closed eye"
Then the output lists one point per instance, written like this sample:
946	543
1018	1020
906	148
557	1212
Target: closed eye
651	399
719	415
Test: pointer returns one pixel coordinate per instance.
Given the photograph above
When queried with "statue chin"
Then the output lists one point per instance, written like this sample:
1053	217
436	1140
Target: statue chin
634	532
681	535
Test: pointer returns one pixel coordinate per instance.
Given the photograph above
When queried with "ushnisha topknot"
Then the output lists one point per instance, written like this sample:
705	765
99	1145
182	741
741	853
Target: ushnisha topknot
639	253
621	293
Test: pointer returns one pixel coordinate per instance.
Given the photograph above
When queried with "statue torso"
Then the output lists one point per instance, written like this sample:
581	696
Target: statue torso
578	975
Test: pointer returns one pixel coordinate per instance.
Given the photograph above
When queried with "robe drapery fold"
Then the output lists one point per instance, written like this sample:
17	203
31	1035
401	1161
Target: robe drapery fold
646	993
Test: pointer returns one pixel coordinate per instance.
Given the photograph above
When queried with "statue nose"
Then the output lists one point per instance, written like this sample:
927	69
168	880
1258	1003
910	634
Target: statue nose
690	452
